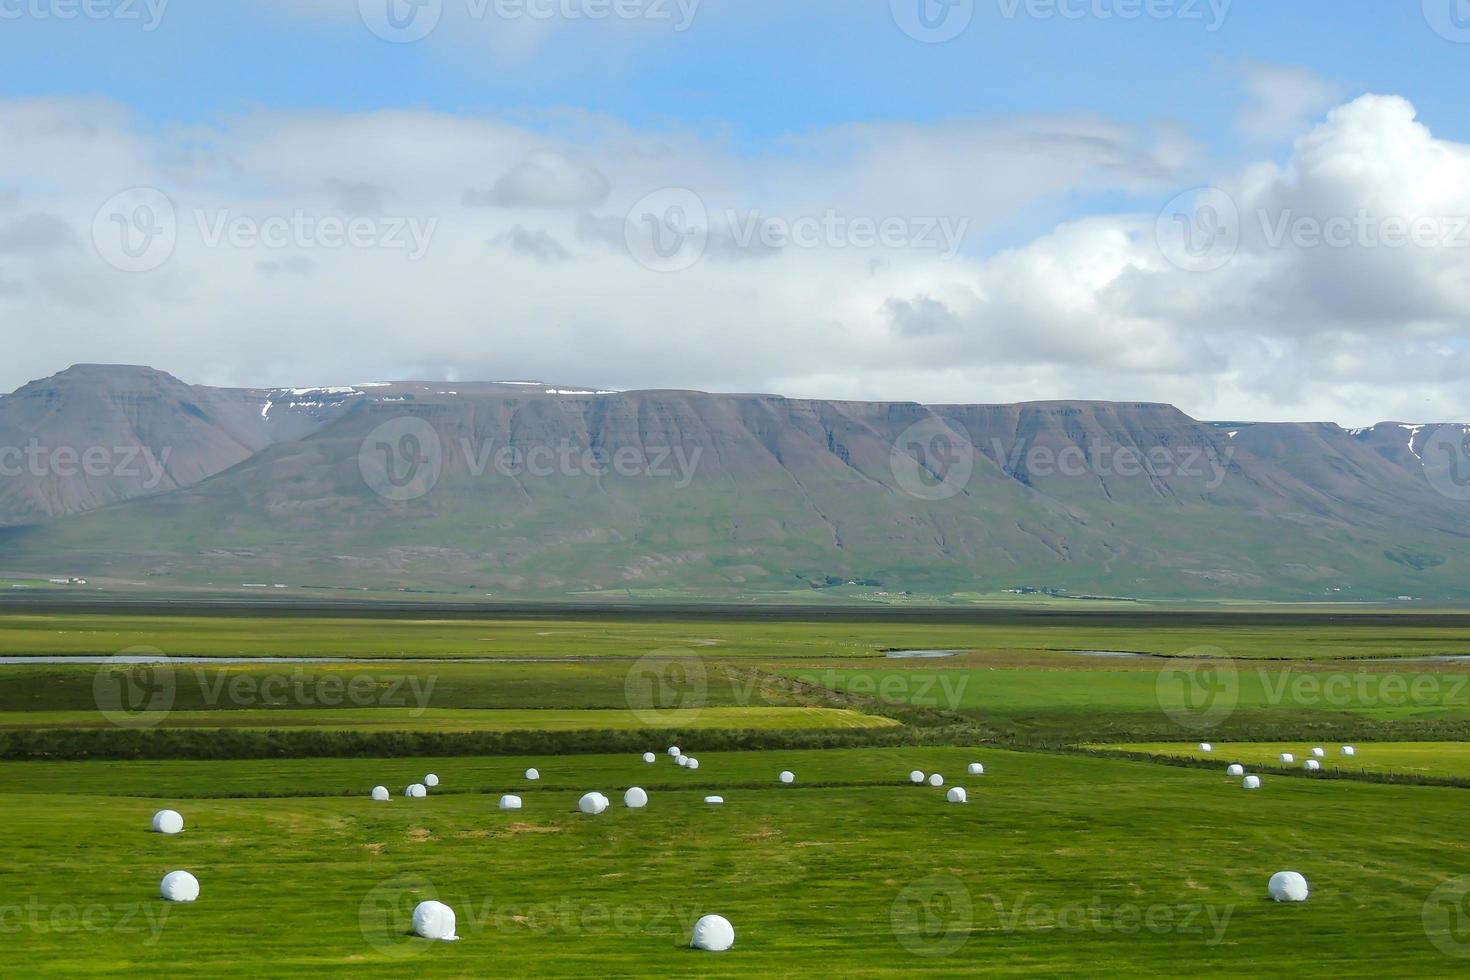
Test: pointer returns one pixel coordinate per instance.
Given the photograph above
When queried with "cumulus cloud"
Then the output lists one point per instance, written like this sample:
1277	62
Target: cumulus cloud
363	224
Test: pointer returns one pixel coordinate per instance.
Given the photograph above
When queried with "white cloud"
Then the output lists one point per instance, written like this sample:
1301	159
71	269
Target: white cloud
1283	99
1088	309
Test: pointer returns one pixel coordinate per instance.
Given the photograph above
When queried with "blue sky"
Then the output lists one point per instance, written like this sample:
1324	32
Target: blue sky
1048	133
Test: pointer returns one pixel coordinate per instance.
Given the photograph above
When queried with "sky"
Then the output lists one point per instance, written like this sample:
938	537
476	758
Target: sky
1249	210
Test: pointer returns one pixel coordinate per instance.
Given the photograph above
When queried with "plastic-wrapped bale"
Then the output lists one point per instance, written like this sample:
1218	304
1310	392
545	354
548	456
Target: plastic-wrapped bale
635	798
510	802
417	791
936	780
431	780
381	794
1235	770
674	751
168	822
976	769
787	776
1251	782
714	800
593	803
683	760
1206	747
713	934
1349	750
434	920
179	886
533	773
693	764
1319	752
1287	757
649	757
1312	765
1287	886
957	794
916	777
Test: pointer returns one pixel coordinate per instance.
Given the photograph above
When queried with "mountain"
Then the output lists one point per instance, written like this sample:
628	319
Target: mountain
521	488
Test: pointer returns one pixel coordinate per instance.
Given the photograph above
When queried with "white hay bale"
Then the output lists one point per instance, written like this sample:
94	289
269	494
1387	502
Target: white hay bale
714	800
593	803
510	802
1206	747
1251	782
1287	886
674	751
431	780
976	769
533	773
683	760
1319	752
635	798
381	794
787	776
168	822
916	777
1287	757
693	764
1235	770
936	780
416	792
434	920
1349	750
649	757
713	934
1312	765
179	886
957	794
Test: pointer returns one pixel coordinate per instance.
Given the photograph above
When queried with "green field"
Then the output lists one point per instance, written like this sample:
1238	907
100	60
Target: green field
1063	863
1442	759
459	719
1044	873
